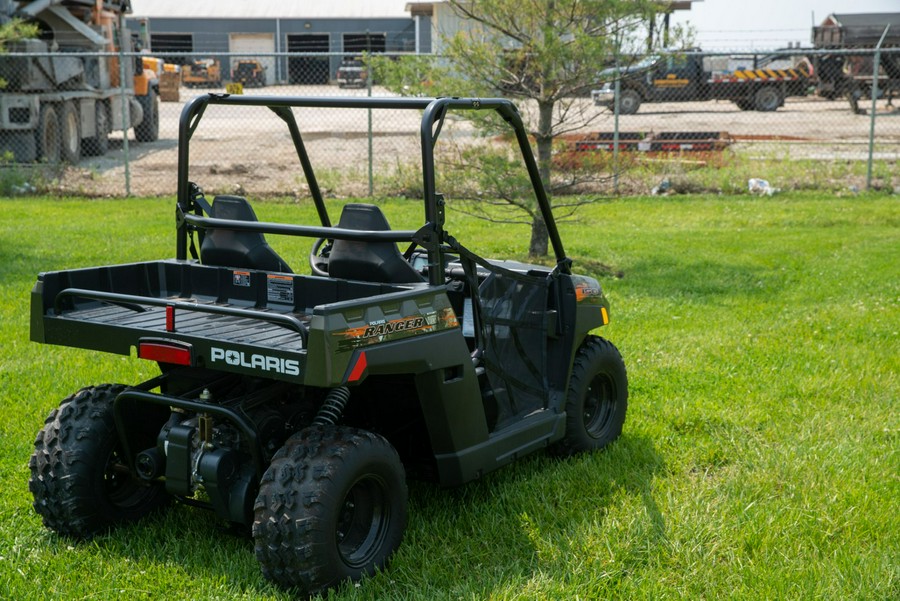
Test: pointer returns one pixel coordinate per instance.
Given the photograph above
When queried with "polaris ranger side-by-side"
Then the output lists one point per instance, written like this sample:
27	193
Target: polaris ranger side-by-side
297	405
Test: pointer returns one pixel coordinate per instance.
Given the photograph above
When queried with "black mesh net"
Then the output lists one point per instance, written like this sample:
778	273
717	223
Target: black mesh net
514	316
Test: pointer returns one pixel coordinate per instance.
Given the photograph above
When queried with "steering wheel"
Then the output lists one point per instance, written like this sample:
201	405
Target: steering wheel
318	256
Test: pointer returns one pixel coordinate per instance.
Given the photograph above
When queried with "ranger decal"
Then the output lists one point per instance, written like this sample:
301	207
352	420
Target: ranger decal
385	330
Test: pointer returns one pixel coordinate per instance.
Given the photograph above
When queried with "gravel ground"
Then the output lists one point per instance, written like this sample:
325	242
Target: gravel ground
250	152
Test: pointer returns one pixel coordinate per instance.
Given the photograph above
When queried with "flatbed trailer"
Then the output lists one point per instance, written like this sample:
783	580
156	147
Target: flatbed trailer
686	78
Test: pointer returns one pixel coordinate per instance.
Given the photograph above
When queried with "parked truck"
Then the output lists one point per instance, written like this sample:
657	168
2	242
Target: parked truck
842	74
202	72
756	83
65	91
249	72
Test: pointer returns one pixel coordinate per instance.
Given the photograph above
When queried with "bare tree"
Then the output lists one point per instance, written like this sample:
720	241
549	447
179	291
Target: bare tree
548	53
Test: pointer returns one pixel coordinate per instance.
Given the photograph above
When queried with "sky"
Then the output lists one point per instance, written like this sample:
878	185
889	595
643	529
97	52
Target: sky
767	24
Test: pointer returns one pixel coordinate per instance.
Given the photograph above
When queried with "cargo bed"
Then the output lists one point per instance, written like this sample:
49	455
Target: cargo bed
115	308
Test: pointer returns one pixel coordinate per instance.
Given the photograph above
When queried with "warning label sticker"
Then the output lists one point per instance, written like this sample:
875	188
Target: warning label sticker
241	278
280	289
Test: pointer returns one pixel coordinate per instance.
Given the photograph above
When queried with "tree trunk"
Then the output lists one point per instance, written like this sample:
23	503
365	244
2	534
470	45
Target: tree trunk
539	239
544	137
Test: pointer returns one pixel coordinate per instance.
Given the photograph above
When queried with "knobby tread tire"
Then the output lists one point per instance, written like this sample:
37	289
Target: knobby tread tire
71	482
598	370
299	506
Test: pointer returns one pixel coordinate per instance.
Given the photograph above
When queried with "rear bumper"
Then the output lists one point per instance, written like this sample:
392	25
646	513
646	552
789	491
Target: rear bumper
605	96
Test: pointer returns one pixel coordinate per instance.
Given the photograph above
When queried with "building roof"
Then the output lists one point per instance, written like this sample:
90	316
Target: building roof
270	9
867	19
425	6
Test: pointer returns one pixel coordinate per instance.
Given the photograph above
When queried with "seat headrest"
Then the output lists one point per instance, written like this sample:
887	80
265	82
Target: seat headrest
359	216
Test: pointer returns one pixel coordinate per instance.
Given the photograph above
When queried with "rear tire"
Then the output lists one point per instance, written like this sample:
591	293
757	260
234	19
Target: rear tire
597	399
629	102
48	135
70	133
148	129
767	99
331	507
79	478
99	144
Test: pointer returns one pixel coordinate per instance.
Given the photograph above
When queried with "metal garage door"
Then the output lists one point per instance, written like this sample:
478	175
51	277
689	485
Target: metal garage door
308	69
251	45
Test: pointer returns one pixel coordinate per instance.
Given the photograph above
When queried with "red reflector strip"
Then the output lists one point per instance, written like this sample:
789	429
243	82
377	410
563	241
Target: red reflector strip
359	368
164	353
170	318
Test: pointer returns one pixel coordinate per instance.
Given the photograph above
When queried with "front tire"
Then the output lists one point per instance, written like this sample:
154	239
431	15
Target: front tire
597	399
331	507
79	478
148	129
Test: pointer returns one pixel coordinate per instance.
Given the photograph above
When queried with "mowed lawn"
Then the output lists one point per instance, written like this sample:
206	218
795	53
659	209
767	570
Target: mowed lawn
759	458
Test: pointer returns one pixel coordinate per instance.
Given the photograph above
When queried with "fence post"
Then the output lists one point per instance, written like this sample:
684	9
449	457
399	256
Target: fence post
617	88
876	66
125	119
369	111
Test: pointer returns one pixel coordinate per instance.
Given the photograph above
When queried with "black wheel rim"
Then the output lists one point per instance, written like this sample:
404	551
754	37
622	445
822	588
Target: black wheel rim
119	485
363	522
599	405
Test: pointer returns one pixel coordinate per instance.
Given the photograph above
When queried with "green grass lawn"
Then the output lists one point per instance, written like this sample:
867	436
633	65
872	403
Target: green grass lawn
759	458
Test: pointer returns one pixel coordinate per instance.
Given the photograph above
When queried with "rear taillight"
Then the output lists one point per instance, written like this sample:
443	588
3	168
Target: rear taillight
166	351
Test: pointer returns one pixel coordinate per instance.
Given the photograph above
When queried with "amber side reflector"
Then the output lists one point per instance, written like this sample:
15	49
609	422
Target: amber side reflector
165	352
605	315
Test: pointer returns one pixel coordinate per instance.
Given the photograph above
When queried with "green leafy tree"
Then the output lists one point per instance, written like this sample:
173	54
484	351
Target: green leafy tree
546	54
12	31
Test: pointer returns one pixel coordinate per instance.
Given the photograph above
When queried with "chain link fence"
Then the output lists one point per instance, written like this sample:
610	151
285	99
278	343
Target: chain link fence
796	119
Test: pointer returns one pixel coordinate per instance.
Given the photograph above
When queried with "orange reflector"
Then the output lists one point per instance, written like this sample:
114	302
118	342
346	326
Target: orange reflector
165	352
359	368
605	315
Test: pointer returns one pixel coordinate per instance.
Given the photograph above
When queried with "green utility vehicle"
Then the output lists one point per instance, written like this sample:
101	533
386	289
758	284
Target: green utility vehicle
297	405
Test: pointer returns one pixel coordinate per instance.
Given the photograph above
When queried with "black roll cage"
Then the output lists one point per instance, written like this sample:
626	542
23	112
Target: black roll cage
431	237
